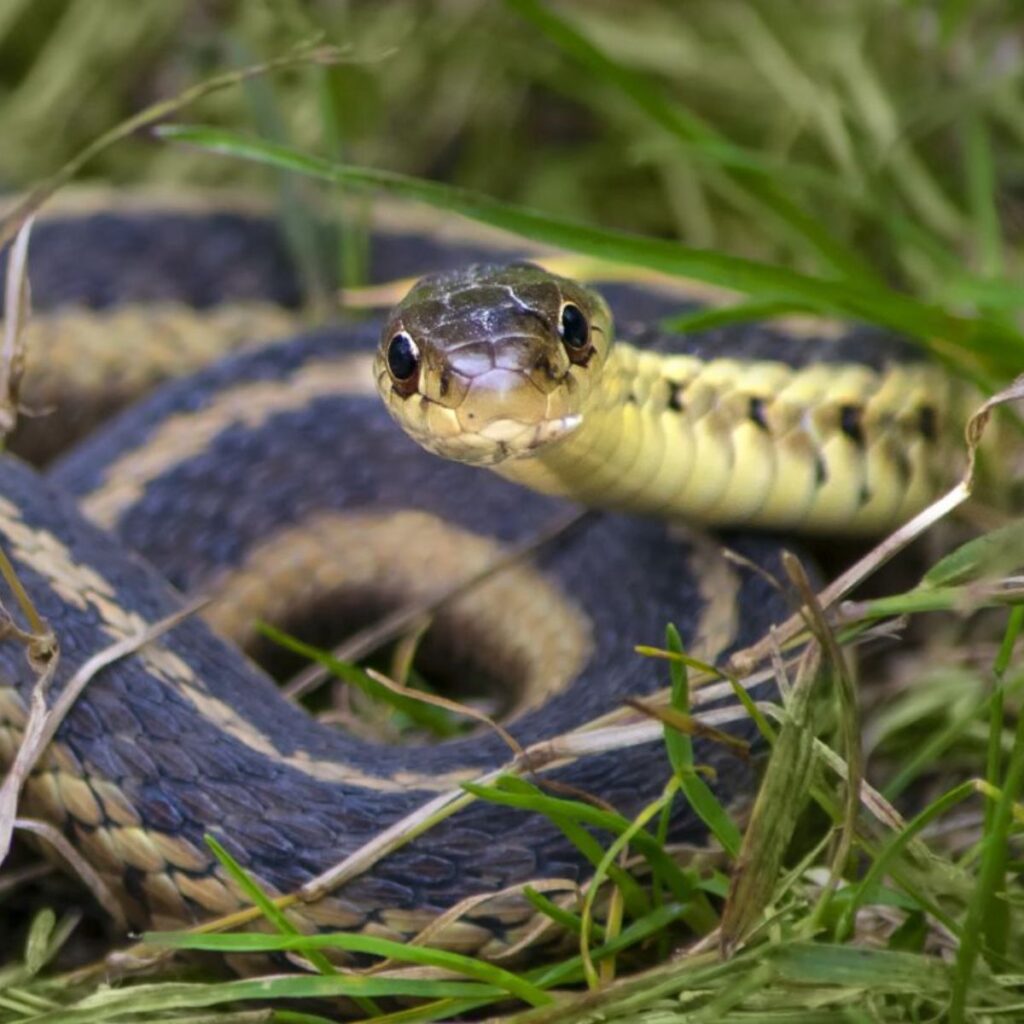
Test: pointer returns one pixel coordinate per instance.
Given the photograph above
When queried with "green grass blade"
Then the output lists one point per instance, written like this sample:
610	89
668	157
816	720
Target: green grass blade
891	850
436	719
649	925
601	872
981	194
514	792
570	825
478	970
727	316
784	789
441	1009
759	184
680	753
806	963
980	920
569	921
995	552
136	1001
1003	346
678	744
259	898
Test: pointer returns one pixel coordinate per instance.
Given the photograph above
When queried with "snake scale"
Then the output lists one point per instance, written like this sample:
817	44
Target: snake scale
275	480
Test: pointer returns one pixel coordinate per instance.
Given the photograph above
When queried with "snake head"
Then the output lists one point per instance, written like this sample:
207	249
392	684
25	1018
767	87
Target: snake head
492	362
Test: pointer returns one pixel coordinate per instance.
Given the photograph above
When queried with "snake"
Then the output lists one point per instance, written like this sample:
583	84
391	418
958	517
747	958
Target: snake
192	434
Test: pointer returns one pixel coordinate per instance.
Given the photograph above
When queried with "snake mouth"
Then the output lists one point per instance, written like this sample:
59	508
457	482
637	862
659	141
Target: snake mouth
499	440
486	420
519	440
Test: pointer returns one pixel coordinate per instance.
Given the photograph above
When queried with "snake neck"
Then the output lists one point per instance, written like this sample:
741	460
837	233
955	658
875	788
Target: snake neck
826	447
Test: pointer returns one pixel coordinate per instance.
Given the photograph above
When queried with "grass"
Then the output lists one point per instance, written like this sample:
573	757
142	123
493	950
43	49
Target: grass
860	160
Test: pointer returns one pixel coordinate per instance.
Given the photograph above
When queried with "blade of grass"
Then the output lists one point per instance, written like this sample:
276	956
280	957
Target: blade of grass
849	720
756	184
515	792
996	552
479	970
809	963
981	195
997	918
433	718
680	753
783	792
569	823
877	304
274	914
571	970
601	871
301	229
887	855
678	745
256	895
726	316
136	1001
569	921
990	879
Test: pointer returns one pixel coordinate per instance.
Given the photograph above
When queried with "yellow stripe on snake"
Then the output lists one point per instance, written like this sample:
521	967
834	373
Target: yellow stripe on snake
275	481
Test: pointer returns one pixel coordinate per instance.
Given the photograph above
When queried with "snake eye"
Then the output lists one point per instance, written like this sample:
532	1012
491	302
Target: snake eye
403	358
573	327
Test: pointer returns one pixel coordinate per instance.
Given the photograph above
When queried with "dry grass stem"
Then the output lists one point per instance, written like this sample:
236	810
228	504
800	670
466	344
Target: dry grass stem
81	867
688	725
850	717
448	705
470	903
43	722
10	881
541	756
17	309
33	742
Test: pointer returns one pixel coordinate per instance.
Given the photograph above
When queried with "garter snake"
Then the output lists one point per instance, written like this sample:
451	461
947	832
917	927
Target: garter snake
518	369
275	480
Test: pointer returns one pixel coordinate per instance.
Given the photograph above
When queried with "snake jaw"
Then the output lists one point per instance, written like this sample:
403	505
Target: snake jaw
443	432
555	430
519	440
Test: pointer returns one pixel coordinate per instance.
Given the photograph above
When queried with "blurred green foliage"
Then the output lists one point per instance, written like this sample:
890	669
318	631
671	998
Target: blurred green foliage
871	109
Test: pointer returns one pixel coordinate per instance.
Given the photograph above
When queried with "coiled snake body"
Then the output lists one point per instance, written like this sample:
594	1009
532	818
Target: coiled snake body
276	481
